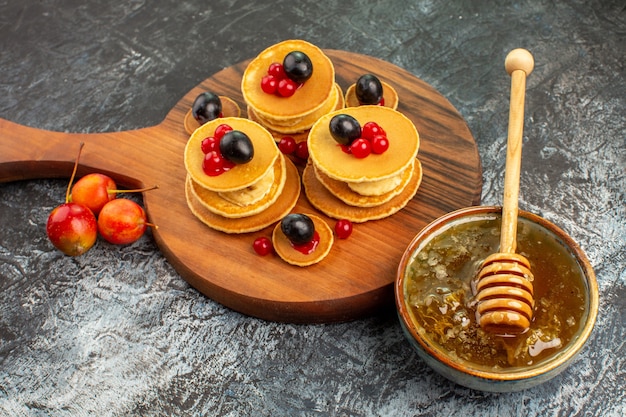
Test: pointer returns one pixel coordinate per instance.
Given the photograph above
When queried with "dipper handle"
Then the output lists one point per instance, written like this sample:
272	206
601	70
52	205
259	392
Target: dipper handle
519	63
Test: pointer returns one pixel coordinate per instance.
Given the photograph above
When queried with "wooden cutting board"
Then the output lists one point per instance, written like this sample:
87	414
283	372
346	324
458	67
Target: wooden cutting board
356	278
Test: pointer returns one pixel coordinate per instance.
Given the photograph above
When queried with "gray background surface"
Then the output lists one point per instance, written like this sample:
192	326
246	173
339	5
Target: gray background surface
118	332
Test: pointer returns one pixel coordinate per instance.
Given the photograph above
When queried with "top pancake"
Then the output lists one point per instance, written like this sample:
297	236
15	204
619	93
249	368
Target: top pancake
312	95
330	159
284	249
240	176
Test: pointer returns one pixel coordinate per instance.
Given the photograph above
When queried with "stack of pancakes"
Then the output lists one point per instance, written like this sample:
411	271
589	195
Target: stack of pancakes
248	197
377	186
230	108
293	115
390	95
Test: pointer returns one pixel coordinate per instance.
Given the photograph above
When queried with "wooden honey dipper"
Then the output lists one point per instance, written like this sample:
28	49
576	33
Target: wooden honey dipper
504	288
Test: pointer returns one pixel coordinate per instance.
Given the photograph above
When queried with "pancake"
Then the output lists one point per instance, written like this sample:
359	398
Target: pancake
257	191
241	176
229	109
214	202
323	200
390	95
343	192
331	160
283	248
298	137
311	96
282	206
303	123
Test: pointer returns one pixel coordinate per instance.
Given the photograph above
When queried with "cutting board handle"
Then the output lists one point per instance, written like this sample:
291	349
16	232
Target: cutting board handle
29	153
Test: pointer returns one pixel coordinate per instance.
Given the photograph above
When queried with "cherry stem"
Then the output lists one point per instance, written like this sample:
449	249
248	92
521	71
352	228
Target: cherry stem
139	190
69	186
154	226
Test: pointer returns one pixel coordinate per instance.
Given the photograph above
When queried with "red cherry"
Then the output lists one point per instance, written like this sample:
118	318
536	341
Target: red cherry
209	144
72	228
262	246
302	150
379	144
269	84
122	221
287	145
361	148
371	129
277	70
343	228
94	191
221	130
287	87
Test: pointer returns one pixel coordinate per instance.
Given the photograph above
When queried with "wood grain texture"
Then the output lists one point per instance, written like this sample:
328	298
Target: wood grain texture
354	280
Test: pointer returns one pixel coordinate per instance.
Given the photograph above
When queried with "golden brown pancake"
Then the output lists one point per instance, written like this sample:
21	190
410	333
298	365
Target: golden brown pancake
298	136
343	192
302	123
241	176
331	160
282	245
323	200
311	96
215	203
390	95
229	109
283	205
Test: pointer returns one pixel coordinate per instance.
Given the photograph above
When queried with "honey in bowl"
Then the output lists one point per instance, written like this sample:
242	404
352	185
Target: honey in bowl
439	295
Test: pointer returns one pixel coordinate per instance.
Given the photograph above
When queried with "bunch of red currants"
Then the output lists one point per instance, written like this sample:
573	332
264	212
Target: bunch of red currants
91	207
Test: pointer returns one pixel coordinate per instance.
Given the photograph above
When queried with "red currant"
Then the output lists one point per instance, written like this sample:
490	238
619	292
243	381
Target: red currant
382	101
287	87
345	148
269	84
302	150
221	130
343	228
379	144
213	163
210	144
227	164
262	246
361	148
371	129
287	145
277	70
